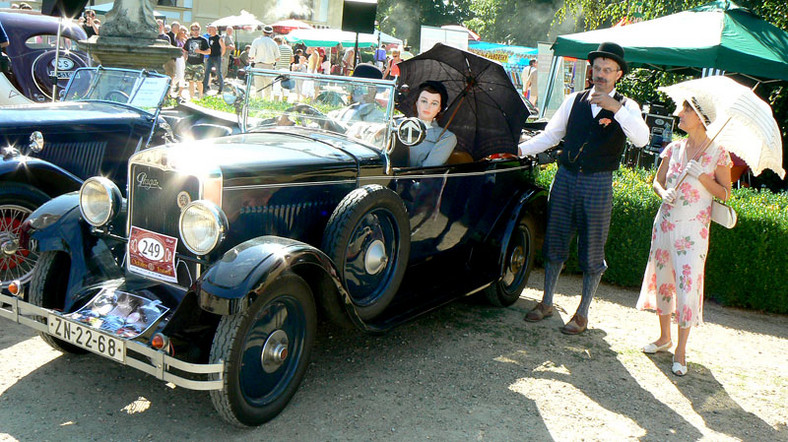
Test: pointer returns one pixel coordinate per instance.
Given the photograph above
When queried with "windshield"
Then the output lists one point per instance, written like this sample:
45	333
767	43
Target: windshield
141	89
360	108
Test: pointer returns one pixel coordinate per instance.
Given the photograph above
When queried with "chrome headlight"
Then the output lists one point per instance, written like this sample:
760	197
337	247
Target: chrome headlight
99	201
203	226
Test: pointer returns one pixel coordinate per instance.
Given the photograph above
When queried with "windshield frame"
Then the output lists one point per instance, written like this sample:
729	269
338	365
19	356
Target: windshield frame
140	76
382	86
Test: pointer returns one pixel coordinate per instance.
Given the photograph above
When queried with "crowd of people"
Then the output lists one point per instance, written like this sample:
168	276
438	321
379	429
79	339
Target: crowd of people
214	55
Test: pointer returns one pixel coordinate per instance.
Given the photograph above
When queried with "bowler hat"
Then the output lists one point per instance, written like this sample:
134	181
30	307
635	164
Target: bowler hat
612	51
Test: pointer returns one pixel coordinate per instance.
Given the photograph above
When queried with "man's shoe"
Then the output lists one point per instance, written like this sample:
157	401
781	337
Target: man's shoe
575	326
539	312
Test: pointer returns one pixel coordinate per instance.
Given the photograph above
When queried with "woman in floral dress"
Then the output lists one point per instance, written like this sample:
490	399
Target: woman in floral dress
673	283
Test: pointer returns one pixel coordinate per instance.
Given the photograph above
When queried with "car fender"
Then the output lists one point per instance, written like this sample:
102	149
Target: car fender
532	201
43	175
57	226
230	285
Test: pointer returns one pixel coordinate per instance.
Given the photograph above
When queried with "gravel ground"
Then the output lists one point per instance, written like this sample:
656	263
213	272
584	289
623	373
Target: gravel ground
465	372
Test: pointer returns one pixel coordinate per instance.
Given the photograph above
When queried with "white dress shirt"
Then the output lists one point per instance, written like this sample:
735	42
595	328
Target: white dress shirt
628	116
264	50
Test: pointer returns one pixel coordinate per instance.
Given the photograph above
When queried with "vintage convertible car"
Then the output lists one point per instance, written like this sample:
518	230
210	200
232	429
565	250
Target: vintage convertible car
32	48
212	273
105	116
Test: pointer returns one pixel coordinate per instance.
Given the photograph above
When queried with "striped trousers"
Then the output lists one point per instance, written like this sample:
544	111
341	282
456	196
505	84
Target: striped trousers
579	203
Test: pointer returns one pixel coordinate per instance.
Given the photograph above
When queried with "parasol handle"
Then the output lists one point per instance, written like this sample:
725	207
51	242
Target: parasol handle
694	157
451	118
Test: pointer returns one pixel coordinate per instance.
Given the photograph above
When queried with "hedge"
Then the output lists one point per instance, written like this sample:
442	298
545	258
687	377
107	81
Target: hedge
747	265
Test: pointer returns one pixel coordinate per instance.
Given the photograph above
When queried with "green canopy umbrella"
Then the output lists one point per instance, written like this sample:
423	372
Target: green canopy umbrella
330	38
718	35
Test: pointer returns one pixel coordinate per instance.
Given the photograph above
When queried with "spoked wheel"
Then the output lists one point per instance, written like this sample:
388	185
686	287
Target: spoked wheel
368	238
17	202
518	262
266	351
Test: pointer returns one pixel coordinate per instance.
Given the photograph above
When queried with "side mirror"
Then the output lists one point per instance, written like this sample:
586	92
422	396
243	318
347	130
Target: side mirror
36	142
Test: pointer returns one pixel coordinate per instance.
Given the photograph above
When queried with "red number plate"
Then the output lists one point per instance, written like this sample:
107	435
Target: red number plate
152	254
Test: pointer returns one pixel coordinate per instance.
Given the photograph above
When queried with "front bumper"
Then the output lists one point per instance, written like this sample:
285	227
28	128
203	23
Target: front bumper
137	355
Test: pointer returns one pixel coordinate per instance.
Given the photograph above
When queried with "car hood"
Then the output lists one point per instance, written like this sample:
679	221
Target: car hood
75	113
264	158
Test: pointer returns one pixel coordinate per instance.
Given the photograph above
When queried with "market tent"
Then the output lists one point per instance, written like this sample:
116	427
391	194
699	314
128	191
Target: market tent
244	20
718	35
386	39
289	25
330	37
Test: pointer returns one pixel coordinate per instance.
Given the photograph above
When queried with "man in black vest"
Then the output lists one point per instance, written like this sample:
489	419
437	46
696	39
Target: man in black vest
594	125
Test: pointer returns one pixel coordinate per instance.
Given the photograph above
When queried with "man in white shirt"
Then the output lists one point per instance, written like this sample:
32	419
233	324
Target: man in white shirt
264	54
594	125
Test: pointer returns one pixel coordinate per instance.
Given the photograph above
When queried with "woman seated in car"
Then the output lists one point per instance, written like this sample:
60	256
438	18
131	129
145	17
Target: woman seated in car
439	143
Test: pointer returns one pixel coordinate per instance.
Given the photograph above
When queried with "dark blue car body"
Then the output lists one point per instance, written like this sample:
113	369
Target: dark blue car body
315	221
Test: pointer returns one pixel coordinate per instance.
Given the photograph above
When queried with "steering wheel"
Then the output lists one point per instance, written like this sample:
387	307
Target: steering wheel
501	156
323	120
124	97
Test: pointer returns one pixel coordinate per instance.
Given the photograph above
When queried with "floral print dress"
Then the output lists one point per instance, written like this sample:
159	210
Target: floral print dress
673	282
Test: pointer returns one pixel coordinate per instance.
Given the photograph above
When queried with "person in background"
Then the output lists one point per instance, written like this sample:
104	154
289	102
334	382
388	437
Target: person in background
91	25
194	49
285	54
392	70
244	57
673	282
162	32
348	61
530	84
264	54
594	125
173	32
213	65
180	62
229	49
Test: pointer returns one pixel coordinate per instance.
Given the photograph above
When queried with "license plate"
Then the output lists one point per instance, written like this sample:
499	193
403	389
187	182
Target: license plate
152	254
87	338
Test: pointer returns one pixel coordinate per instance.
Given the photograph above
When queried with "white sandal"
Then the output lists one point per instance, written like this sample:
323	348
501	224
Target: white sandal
678	369
652	348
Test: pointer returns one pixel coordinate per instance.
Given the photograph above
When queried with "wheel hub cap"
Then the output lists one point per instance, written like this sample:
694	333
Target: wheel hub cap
275	351
518	260
375	258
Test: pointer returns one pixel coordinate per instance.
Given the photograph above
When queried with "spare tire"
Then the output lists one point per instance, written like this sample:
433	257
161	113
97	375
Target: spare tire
368	238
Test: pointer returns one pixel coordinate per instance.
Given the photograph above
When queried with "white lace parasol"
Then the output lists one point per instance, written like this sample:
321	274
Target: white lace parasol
744	124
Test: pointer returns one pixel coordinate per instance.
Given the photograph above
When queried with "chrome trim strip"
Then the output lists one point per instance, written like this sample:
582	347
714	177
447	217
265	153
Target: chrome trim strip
23	313
269	186
442	175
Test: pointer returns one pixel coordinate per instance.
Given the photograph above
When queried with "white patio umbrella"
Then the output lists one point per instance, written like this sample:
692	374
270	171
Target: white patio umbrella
242	20
744	124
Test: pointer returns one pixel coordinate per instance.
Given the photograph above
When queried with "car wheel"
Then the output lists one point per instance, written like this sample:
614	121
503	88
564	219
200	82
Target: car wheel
48	290
266	351
17	202
518	262
368	238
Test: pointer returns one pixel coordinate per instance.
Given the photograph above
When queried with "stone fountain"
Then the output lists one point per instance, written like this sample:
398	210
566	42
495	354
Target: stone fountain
128	38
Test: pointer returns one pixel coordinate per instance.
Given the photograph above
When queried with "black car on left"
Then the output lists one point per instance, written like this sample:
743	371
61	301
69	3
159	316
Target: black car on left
49	148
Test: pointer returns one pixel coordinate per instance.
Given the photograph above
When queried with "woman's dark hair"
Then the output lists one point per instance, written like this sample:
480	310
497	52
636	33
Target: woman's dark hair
433	87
